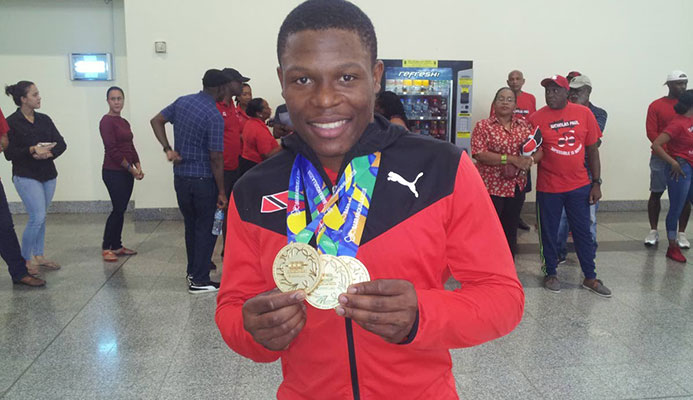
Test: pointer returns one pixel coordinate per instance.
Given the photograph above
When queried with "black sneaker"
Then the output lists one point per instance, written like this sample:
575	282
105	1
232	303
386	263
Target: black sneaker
562	259
203	287
522	225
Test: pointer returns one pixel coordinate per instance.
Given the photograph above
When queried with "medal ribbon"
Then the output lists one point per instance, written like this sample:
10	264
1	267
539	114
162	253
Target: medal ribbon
339	229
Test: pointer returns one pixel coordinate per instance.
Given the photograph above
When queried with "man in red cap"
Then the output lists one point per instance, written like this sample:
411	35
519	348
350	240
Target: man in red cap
569	132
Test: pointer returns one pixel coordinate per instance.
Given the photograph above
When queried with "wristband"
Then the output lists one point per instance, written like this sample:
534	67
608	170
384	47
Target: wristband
504	159
167	148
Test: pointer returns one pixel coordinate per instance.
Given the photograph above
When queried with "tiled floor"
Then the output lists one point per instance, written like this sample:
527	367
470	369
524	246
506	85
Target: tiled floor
131	331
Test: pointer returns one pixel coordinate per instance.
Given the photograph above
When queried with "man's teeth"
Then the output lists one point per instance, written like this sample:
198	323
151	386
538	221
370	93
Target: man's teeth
330	125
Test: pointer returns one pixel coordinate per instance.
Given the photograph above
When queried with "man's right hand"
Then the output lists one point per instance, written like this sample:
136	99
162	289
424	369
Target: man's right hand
173	156
274	318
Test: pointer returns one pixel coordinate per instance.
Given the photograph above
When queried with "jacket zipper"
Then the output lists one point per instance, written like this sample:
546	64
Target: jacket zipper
352	359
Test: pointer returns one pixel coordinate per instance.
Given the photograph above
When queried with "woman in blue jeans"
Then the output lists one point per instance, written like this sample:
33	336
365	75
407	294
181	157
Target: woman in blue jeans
678	136
34	142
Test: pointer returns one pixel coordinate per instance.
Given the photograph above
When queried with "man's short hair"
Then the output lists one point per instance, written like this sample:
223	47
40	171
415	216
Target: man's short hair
319	15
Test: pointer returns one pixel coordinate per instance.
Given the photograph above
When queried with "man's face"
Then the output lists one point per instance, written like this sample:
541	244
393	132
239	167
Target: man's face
329	84
516	81
580	95
556	96
676	88
234	88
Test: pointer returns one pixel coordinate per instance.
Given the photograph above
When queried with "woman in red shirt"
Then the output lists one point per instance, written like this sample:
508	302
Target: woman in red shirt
258	142
678	138
121	166
496	143
242	101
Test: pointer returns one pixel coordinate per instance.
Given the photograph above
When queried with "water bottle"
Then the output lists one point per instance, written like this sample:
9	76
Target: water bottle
424	108
218	222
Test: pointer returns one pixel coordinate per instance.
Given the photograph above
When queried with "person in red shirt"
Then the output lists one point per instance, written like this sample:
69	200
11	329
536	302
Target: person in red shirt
121	166
9	244
496	143
429	217
678	139
659	114
526	104
242	101
232	139
258	142
569	131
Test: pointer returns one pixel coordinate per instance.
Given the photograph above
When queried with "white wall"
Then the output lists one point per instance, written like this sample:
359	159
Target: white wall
626	47
37	36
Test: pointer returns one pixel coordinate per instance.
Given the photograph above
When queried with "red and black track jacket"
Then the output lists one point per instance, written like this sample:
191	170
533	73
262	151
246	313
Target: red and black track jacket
450	228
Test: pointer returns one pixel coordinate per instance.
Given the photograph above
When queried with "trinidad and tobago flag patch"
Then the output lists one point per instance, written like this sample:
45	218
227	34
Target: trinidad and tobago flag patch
274	202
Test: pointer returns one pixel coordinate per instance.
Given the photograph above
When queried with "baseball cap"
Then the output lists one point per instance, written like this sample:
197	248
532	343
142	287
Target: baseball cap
676	75
558	80
214	78
234	75
580	81
571	75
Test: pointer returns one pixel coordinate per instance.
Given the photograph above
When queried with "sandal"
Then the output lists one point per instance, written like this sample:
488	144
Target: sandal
47	264
124	251
109	256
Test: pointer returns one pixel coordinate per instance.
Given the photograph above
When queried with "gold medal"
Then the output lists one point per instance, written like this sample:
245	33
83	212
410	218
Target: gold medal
359	272
297	266
336	278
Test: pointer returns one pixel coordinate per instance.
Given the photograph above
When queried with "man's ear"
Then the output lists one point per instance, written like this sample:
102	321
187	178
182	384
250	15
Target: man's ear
378	69
280	76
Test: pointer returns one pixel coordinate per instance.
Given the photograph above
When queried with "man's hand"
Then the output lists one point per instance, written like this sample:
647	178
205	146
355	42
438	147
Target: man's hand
274	318
222	201
595	193
173	156
386	307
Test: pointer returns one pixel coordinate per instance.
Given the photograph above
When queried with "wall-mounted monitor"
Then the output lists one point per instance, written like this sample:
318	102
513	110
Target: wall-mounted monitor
91	67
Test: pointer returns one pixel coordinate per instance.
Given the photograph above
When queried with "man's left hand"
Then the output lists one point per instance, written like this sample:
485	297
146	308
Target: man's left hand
595	193
222	201
386	307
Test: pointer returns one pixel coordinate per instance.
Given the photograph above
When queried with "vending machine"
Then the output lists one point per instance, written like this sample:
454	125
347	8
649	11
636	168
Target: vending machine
436	95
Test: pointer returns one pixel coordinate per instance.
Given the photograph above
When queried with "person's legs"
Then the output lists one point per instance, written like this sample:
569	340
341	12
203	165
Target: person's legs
577	210
499	204
185	205
678	195
48	192
528	188
593	224
31	193
562	237
685	215
204	194
659	172
511	218
549	206
9	245
119	185
230	178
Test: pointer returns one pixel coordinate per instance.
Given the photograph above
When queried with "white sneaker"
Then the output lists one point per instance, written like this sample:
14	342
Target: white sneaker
683	241
652	238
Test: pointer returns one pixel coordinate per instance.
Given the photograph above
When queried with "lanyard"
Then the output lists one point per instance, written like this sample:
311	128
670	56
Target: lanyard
338	217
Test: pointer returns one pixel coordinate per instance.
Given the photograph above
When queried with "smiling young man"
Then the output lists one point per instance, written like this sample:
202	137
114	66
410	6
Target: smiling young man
570	134
426	216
